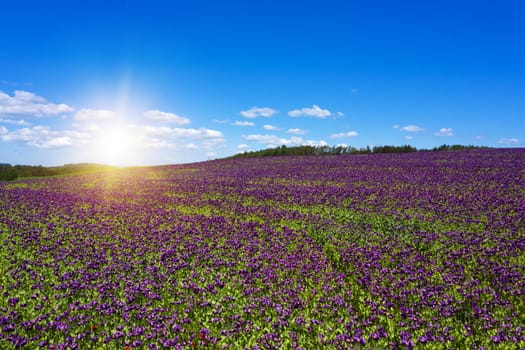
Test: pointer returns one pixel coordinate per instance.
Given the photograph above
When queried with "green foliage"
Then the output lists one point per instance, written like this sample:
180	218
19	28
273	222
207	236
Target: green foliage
394	149
457	147
338	150
9	172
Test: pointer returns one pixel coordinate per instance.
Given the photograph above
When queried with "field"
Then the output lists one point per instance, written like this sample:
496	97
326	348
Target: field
422	250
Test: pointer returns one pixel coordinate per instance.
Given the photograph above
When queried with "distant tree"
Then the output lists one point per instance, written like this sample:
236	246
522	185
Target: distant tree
306	150
7	172
457	147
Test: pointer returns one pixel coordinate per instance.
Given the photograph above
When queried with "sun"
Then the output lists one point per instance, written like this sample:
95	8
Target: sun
117	146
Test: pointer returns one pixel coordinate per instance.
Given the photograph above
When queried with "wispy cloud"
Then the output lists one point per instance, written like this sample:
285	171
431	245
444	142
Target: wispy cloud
87	127
509	141
344	134
191	146
255	112
166	138
243	123
314	111
314	143
445	132
158	144
270	127
296	131
94	114
412	128
14	122
29	104
165	117
44	137
274	141
10	83
178	132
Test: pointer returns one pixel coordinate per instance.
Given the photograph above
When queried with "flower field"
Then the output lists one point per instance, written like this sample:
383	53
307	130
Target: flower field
417	250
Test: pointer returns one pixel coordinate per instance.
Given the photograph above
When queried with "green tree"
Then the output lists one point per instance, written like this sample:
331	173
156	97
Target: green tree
7	172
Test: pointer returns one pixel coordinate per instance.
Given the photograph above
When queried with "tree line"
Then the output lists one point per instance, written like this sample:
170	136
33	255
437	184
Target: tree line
338	150
10	172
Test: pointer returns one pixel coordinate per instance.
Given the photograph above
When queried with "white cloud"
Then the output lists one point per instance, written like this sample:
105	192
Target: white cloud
191	146
412	128
445	132
409	137
163	137
255	112
198	133
314	143
178	132
27	103
340	114
91	136
94	114
314	111
158	144
509	141
87	127
166	117
344	134
44	137
274	141
270	127
61	141
242	146
296	131
14	122
28	96
152	130
243	123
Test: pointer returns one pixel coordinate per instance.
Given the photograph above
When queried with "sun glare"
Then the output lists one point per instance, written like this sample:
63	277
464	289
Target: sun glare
117	147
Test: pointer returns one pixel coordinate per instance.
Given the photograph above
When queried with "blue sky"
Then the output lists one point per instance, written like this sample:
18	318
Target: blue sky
162	82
